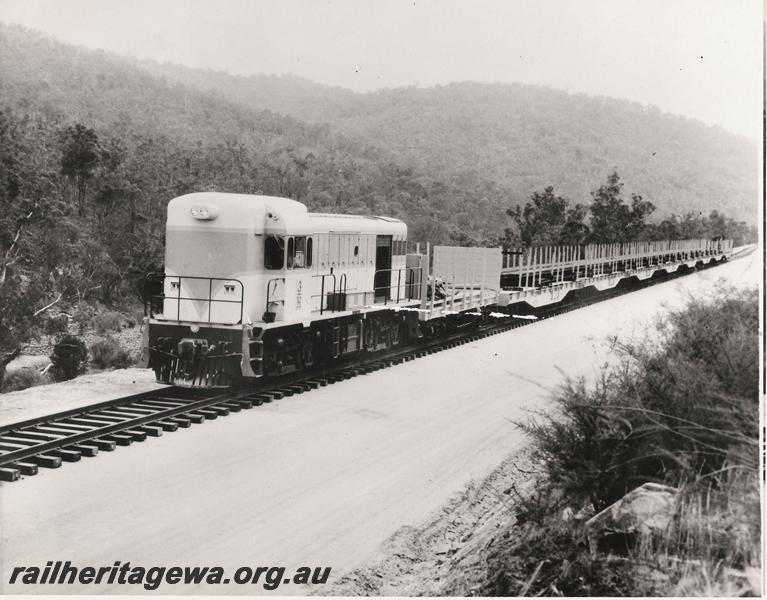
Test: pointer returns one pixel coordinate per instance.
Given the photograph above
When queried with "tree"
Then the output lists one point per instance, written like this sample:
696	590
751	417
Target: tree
542	219
667	229
611	219
17	317
640	210
428	229
574	231
79	159
547	219
693	226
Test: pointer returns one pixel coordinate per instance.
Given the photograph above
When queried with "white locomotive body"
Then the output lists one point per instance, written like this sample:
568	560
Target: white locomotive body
257	285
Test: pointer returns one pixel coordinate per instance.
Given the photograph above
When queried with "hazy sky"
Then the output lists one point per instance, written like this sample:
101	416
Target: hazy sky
699	58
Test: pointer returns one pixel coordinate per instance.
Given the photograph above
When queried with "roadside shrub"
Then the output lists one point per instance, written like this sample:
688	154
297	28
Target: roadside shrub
56	324
109	321
107	354
21	379
675	408
135	317
69	358
681	408
83	315
585	447
549	557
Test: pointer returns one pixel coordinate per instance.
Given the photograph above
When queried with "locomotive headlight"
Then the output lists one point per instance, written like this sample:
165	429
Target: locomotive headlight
204	213
194	328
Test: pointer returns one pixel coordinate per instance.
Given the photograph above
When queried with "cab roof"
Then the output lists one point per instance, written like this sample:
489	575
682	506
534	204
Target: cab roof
330	223
270	215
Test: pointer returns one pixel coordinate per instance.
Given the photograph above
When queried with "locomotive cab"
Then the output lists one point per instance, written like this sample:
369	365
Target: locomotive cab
287	244
226	253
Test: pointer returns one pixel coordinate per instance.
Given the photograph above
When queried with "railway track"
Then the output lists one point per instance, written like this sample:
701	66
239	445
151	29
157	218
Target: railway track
69	436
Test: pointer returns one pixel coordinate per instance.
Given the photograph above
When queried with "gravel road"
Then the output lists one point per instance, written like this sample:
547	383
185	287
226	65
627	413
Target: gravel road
319	479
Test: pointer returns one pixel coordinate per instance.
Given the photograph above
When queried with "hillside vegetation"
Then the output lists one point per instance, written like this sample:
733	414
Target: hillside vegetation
520	138
188	140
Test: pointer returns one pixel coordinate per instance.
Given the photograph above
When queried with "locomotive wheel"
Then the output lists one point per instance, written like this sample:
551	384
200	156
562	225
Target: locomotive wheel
306	349
394	335
436	329
370	334
402	333
307	354
387	338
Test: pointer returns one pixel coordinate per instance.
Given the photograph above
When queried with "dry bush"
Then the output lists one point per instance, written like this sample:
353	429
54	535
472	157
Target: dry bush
680	408
56	324
83	315
22	379
107	354
674	409
69	358
108	322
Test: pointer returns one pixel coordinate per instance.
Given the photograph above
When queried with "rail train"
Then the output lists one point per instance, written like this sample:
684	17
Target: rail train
257	286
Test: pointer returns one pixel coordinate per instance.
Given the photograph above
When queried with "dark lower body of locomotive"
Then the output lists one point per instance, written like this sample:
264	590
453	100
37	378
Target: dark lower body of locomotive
192	355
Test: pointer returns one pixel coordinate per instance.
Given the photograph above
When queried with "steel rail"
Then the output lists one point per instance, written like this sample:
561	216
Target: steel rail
99	432
94	407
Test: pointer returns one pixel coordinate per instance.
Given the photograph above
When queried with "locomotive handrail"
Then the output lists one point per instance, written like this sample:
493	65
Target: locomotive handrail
268	303
412	271
161	277
340	287
322	287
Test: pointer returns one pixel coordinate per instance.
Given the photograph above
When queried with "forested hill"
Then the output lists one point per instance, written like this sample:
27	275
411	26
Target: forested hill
170	139
521	137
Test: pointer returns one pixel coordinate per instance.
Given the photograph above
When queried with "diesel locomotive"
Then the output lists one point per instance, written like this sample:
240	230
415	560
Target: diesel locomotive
257	286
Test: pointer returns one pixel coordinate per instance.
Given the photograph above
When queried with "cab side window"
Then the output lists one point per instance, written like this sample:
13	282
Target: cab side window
291	253
274	252
299	252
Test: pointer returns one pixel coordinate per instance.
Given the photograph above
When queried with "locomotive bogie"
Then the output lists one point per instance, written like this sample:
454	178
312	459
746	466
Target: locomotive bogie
191	355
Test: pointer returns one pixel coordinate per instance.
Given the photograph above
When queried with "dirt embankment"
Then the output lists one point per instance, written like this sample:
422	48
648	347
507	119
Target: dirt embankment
448	554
